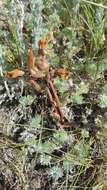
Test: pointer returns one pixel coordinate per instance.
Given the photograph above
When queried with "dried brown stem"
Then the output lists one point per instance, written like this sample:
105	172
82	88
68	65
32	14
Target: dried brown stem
54	98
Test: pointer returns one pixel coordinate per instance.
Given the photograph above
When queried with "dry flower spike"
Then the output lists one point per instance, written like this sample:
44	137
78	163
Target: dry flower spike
14	73
62	73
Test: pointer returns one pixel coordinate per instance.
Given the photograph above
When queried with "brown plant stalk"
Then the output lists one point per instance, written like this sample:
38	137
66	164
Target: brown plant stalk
54	98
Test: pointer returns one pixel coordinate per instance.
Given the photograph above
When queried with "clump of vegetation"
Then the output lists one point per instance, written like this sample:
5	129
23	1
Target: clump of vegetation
57	139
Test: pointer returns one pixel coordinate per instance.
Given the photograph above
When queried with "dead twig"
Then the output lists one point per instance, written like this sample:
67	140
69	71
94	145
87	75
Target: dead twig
54	98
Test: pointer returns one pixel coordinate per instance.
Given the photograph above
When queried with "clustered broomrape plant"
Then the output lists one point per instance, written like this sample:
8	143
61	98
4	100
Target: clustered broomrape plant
74	78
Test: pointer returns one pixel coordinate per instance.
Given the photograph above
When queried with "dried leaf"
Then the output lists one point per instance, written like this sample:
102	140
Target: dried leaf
14	73
63	73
